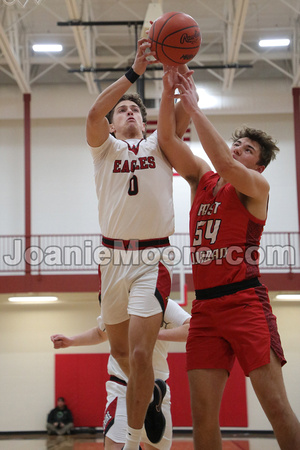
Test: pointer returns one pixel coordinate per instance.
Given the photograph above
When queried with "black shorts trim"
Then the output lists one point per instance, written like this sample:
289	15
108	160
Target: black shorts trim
160	300
135	244
226	289
117	380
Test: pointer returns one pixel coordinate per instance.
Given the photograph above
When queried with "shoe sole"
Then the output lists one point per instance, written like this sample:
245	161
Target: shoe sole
159	394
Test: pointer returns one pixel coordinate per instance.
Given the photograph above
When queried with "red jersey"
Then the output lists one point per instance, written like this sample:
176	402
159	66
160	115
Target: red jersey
224	236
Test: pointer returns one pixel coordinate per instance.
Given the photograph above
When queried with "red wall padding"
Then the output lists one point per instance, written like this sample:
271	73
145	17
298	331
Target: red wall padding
234	405
80	378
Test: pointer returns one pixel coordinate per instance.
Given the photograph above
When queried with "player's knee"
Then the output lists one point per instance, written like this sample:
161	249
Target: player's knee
279	413
141	359
204	422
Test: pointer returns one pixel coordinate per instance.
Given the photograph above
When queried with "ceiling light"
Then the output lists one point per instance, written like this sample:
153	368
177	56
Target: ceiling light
291	297
206	100
37	299
274	42
46	48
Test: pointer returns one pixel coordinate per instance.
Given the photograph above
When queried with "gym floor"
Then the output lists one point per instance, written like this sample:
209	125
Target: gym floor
86	441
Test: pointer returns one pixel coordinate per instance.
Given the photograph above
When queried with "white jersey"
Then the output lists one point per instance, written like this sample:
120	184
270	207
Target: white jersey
174	317
134	189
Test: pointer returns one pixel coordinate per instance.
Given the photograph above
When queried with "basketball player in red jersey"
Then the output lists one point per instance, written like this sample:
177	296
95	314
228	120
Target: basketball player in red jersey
134	188
231	315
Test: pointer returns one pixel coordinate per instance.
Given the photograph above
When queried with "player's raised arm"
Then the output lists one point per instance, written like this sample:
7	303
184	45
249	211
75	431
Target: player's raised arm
97	126
177	151
246	178
182	118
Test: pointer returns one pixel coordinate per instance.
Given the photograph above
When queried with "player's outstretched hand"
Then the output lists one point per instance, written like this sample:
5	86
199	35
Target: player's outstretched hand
141	58
60	341
187	93
170	79
172	76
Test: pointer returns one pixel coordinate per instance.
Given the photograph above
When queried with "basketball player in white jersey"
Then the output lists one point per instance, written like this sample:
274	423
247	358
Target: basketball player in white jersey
174	328
134	189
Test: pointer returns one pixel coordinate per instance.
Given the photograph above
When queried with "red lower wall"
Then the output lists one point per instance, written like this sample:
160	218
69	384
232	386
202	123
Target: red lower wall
80	378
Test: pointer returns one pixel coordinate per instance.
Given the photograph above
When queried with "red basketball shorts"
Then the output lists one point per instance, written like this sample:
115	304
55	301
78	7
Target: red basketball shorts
239	325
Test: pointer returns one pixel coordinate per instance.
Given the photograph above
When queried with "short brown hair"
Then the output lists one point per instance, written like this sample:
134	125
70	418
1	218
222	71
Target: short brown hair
268	147
133	98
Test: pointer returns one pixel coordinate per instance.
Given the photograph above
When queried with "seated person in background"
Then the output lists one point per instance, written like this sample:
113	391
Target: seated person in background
60	419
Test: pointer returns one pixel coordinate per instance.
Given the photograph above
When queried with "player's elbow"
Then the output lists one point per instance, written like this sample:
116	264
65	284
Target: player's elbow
93	115
165	138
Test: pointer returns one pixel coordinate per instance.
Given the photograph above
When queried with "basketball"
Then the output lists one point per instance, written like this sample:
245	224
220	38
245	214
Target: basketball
175	37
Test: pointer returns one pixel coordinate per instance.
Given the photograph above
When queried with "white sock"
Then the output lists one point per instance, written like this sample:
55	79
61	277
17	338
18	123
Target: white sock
133	437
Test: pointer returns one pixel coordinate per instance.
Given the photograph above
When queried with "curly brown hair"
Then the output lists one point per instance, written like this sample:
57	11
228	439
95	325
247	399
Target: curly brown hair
133	98
268	147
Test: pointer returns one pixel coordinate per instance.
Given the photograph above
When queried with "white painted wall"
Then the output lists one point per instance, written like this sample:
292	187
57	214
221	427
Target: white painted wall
63	192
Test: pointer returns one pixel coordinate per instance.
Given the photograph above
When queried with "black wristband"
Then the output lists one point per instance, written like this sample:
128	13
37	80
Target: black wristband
131	75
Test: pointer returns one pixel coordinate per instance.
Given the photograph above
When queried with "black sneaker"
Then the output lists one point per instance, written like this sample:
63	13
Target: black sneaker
155	421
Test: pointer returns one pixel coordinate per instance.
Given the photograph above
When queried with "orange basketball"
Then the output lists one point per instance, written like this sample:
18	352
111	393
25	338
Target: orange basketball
175	37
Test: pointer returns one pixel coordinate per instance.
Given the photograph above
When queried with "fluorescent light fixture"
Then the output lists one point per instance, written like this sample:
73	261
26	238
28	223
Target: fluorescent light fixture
35	299
47	48
206	100
274	42
290	297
